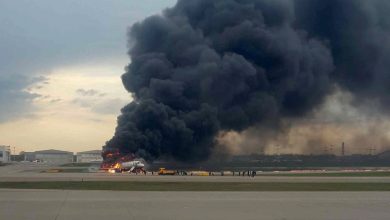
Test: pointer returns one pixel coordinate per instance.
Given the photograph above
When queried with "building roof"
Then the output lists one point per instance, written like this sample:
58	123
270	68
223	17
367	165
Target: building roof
52	151
91	152
4	147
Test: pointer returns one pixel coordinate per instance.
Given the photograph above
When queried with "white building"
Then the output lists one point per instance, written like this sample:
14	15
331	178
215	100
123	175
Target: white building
28	156
89	156
5	154
54	156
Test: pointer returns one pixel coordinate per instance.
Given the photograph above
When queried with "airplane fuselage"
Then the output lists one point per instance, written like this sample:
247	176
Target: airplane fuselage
130	166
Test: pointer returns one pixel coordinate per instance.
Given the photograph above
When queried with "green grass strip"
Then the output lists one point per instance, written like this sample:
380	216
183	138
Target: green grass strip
197	186
336	174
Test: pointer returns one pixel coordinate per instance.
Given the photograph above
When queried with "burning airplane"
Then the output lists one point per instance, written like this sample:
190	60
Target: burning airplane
116	163
134	166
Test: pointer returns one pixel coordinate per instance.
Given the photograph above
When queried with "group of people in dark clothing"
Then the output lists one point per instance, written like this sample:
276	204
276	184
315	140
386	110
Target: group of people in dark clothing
246	173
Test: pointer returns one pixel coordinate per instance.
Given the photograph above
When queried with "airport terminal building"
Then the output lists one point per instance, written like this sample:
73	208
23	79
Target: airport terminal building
5	154
89	156
54	156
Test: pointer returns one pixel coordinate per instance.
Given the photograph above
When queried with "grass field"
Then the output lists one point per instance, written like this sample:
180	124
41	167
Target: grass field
198	186
335	174
73	170
80	165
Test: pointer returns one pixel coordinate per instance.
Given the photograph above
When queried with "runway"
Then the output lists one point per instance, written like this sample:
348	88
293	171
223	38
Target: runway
31	172
19	204
126	177
95	205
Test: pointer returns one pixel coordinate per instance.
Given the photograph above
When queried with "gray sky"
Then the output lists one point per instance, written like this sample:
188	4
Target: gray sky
50	50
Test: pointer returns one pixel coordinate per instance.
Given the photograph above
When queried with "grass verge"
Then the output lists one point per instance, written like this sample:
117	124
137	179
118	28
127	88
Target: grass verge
335	174
80	165
197	186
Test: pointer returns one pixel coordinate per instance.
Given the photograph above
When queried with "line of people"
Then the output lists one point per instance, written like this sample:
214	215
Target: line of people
246	173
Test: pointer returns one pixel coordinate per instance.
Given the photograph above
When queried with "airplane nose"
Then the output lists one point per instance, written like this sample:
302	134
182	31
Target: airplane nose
142	165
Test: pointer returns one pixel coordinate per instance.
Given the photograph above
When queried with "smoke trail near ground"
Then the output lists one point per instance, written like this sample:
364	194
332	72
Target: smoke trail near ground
322	131
208	67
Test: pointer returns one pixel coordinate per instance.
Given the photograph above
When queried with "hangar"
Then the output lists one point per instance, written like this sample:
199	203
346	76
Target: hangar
89	156
54	156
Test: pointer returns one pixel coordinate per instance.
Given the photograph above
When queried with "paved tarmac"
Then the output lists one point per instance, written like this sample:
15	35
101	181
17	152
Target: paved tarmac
96	205
31	172
140	178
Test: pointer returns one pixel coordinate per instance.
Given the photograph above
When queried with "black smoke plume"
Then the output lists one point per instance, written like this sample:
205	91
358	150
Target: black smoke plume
209	66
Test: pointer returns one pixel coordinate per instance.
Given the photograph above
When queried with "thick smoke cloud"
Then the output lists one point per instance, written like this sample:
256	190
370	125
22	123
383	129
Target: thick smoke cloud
358	33
211	66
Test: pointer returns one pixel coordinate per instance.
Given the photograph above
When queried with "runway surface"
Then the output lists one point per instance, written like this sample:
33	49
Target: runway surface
18	204
96	205
31	172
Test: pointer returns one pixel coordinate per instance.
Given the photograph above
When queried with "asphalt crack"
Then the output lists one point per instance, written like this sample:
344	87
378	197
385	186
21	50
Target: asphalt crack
62	205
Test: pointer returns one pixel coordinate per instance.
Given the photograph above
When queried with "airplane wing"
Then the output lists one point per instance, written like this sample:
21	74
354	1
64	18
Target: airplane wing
132	168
